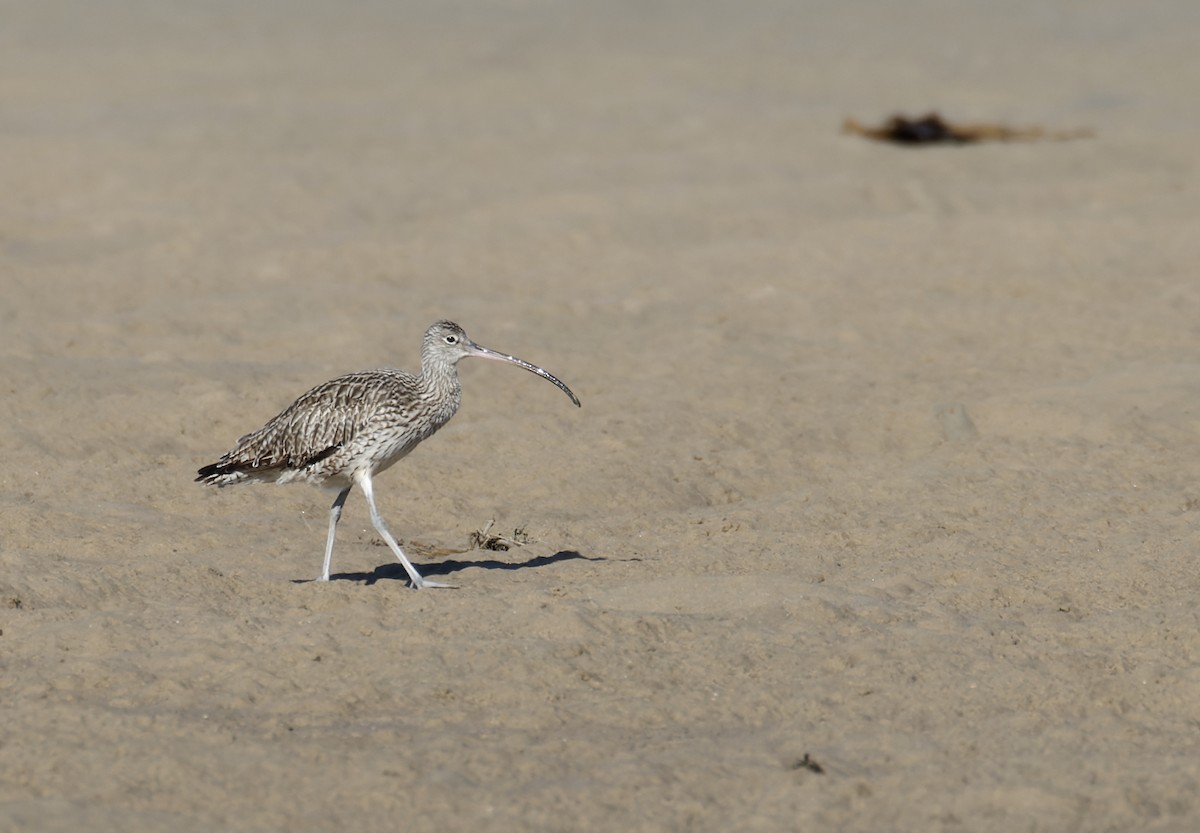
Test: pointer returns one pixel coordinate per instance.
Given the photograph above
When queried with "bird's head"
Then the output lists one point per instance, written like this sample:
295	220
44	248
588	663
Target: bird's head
446	343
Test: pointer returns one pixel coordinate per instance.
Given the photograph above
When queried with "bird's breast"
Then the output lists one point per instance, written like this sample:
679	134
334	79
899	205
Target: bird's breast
392	435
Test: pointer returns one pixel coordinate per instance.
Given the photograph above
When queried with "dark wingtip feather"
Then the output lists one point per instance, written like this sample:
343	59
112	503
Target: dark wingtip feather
211	472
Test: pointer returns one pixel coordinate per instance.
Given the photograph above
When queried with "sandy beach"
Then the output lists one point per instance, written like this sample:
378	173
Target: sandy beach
881	510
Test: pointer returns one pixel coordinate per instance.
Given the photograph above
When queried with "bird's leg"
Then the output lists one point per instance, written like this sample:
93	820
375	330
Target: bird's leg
335	515
364	480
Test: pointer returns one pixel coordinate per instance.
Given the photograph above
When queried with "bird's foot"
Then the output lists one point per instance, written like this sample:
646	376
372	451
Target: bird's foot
423	583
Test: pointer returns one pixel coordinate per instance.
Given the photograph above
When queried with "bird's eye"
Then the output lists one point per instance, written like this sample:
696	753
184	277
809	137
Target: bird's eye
452	339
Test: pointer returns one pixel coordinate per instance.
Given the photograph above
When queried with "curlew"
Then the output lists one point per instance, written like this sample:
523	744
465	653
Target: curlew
344	432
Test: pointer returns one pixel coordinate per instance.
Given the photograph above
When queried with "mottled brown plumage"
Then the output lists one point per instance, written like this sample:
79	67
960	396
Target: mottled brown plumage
347	430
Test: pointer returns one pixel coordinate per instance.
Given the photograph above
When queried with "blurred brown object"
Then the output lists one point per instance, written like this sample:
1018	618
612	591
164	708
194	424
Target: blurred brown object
932	129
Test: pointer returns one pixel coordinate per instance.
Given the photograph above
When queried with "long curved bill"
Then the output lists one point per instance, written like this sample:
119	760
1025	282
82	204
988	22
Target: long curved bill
482	352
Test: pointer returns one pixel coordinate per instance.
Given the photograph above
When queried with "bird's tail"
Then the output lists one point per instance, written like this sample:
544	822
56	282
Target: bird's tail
222	474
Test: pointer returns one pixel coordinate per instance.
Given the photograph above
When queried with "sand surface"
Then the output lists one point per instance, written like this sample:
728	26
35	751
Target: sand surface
887	457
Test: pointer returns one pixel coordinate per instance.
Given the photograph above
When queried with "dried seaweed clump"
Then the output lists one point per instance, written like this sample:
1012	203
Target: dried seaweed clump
485	539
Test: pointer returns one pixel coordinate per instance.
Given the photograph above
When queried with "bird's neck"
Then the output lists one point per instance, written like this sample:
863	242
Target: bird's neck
440	382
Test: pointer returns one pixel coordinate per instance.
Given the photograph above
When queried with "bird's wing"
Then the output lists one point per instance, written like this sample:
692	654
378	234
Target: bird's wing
317	425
